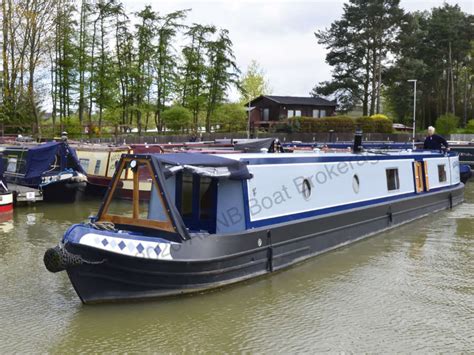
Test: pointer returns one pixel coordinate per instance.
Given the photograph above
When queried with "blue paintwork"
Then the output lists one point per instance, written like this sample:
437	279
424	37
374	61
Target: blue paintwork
245	192
76	231
297	216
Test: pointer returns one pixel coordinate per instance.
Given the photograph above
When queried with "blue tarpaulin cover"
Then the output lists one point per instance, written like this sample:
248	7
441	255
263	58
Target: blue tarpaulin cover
40	158
2	169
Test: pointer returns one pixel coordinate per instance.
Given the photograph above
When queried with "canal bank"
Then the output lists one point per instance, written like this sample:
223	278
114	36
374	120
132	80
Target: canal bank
409	289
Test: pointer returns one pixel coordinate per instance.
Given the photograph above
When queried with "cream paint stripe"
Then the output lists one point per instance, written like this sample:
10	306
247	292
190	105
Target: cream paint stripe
95	240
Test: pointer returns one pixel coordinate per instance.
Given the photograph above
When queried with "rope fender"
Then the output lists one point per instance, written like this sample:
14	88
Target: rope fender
59	259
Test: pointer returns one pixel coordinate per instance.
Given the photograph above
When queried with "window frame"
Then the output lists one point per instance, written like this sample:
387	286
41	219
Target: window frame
397	179
166	225
442	173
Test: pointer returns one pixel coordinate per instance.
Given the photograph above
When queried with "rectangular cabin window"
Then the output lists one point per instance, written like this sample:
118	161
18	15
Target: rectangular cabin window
291	113
393	182
315	113
266	114
85	164
442	173
297	113
196	199
322	113
97	167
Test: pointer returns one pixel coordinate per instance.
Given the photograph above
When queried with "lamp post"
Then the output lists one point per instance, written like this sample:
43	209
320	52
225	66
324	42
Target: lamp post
414	109
248	119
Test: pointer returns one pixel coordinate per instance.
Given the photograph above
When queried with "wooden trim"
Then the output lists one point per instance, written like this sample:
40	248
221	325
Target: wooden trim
418	170
112	189
136	193
427	180
135	220
107	166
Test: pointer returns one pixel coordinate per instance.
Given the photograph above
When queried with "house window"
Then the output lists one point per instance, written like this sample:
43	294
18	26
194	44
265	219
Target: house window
297	113
442	173
393	182
315	113
322	113
266	114
97	167
291	113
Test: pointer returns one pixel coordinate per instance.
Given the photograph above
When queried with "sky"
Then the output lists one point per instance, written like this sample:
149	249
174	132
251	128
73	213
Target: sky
278	34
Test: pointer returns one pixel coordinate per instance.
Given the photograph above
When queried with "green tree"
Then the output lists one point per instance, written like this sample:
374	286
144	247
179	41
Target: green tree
447	124
220	74
433	47
166	60
82	56
253	83
232	117
193	71
177	118
146	33
358	45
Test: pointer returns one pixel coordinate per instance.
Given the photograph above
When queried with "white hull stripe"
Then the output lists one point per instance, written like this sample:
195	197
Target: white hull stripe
130	247
6	199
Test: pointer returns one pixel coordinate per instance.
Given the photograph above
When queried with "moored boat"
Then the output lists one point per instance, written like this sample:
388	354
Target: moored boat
6	197
213	220
465	151
465	172
51	167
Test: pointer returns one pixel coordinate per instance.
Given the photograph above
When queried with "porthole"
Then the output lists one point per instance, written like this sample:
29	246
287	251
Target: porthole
356	184
306	189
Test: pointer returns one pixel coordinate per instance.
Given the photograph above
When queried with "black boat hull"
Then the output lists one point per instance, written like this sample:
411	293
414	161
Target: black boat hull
62	191
212	261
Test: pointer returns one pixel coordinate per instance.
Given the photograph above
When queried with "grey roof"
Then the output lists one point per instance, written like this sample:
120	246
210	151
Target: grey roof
299	100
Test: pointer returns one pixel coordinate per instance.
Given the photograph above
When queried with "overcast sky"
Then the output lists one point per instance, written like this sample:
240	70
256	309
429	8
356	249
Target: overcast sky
278	34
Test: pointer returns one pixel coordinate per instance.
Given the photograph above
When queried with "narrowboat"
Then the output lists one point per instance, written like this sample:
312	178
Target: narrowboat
465	151
52	168
99	163
214	220
6	197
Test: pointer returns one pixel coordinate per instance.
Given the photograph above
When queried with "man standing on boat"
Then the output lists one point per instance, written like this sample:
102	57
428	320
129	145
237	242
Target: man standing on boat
434	141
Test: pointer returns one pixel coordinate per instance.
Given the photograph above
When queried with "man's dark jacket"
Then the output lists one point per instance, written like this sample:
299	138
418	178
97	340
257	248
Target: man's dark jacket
434	142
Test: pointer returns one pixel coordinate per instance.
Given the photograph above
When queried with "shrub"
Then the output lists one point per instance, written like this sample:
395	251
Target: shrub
375	124
383	125
447	124
379	116
321	125
470	126
177	118
366	124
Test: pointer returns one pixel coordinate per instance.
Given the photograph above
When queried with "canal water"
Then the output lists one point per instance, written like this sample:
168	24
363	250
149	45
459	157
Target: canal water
407	290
